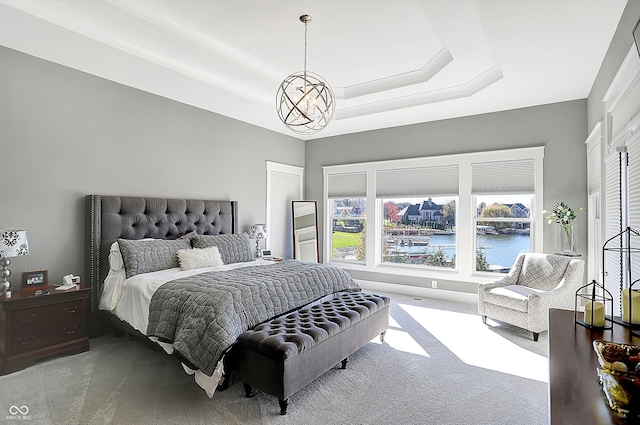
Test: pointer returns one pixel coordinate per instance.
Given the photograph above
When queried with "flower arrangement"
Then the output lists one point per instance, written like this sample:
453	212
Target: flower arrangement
564	215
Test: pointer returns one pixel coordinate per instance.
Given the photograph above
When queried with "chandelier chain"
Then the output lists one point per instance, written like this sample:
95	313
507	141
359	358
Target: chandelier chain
305	48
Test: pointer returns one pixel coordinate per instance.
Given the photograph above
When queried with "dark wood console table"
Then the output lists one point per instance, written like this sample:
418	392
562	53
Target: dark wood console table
575	393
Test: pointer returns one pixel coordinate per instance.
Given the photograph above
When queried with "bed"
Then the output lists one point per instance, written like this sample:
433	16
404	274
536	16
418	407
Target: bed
137	251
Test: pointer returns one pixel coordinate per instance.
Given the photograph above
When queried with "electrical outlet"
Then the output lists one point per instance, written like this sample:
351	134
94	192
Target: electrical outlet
434	283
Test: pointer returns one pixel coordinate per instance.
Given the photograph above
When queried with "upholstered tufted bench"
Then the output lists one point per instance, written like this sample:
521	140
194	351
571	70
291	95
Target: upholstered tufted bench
281	356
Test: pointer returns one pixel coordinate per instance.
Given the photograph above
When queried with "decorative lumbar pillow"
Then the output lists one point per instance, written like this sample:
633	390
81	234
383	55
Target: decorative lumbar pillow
198	258
233	248
141	256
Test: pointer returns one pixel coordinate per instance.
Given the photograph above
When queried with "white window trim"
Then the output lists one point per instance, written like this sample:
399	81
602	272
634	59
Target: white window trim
594	210
626	78
465	231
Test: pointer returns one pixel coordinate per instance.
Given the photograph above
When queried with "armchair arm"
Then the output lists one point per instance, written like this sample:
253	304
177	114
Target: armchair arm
510	279
562	296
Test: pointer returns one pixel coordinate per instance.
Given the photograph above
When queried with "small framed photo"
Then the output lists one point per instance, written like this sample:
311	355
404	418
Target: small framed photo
33	281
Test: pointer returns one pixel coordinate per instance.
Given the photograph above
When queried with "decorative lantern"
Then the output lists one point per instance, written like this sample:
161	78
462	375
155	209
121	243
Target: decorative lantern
598	306
626	247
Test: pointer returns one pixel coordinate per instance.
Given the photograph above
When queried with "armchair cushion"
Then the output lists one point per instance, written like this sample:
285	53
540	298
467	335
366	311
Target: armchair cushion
512	296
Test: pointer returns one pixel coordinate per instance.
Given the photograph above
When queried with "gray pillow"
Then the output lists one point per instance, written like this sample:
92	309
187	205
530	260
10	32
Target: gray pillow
233	248
145	256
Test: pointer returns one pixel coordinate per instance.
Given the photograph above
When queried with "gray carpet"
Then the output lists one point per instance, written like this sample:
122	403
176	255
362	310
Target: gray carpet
438	365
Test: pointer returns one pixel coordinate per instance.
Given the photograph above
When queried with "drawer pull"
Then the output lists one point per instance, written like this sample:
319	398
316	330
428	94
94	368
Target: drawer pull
23	320
26	341
75	308
70	331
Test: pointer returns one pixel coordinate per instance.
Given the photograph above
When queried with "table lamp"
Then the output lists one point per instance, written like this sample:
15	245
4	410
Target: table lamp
257	232
13	243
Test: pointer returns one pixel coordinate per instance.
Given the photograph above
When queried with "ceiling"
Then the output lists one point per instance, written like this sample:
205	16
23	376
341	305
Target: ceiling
390	62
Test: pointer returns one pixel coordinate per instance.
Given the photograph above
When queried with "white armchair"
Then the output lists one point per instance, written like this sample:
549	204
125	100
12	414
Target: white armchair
535	283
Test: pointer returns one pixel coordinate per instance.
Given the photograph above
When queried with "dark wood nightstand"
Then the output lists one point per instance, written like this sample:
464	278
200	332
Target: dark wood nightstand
35	327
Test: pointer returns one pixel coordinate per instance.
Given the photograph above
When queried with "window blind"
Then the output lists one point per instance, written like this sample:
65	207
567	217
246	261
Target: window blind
503	177
348	185
612	227
633	149
425	181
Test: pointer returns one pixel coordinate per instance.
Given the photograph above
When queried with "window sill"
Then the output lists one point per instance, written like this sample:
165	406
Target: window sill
412	272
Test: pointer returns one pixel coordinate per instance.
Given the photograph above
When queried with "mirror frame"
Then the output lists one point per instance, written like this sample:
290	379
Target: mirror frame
296	252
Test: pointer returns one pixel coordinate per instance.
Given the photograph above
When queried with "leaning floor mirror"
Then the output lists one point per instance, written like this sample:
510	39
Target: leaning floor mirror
305	231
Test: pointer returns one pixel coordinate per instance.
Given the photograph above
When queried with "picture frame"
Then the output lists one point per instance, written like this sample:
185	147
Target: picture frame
34	280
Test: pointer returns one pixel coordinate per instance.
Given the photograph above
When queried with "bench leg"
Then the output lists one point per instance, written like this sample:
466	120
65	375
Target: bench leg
484	319
283	406
535	336
248	391
223	384
382	335
344	362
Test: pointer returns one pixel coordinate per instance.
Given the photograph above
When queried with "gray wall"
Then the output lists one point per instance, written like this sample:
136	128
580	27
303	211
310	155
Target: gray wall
618	49
65	134
560	127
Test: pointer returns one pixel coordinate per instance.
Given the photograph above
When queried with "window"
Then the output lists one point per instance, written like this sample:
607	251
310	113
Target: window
503	193
348	222
419	231
621	157
420	234
347	213
503	225
465	214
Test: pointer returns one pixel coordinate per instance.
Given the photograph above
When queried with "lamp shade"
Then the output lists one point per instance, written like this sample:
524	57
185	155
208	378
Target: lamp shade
257	231
13	243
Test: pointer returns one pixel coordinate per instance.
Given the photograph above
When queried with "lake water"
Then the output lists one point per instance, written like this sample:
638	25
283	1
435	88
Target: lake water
501	250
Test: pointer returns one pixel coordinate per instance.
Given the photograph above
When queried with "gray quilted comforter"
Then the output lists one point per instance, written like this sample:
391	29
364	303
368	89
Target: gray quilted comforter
203	315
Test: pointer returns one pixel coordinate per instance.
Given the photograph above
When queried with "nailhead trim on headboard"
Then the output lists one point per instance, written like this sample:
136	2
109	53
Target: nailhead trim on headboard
127	217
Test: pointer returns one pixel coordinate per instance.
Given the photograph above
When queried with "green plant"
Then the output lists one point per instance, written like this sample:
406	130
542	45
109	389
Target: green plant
562	214
481	260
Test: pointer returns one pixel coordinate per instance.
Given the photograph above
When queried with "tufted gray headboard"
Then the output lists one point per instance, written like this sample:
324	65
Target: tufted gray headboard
111	217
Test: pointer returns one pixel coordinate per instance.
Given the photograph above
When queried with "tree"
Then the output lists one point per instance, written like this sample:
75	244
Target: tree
360	250
438	258
496	210
391	212
449	212
481	260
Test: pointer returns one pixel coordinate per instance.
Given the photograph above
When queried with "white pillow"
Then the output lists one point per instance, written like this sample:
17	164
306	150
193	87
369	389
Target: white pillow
198	258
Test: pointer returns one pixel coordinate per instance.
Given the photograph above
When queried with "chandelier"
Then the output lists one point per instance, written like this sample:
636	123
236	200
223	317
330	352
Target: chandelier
305	101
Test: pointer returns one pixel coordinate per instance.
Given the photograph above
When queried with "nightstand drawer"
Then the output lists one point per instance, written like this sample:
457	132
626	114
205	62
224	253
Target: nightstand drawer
46	325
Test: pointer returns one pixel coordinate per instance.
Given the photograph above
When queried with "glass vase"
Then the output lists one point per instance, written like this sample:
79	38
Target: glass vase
568	241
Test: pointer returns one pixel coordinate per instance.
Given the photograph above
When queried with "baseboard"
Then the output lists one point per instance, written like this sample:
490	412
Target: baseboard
414	291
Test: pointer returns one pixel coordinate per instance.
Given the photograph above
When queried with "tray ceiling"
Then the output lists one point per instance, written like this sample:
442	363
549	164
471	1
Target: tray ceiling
390	62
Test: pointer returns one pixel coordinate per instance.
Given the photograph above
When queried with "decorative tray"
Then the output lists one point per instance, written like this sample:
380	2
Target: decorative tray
619	374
